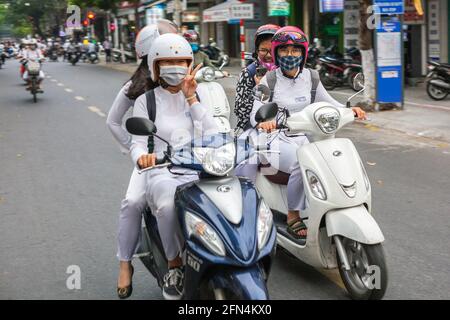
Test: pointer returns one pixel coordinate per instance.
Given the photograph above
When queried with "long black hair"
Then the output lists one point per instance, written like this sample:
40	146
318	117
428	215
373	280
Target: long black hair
140	81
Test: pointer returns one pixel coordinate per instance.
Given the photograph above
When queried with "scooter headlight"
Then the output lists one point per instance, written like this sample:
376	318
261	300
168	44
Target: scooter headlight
204	232
327	118
209	74
264	224
216	161
315	185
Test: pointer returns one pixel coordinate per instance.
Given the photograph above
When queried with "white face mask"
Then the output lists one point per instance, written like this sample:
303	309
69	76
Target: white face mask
173	75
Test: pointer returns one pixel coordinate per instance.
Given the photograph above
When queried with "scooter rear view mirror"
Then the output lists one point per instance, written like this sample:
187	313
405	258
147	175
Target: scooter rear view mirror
140	126
358	81
261	93
266	112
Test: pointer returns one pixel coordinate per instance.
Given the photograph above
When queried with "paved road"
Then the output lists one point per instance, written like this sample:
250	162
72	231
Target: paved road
62	178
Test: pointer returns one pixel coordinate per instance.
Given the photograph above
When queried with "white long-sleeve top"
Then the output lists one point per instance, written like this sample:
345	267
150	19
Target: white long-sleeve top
176	122
33	55
294	94
114	121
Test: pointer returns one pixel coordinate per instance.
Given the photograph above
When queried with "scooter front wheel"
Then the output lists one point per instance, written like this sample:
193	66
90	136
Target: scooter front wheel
368	276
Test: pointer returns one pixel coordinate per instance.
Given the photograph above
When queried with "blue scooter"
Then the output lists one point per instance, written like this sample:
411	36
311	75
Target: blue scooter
228	229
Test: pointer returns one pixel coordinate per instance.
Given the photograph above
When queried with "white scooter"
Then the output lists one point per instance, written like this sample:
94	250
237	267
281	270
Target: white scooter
341	231
214	95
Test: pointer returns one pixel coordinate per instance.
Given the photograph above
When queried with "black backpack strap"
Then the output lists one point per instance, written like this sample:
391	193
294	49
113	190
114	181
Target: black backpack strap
271	78
151	109
315	80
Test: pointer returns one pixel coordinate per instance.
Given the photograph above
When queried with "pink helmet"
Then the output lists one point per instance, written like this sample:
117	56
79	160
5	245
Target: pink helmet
290	35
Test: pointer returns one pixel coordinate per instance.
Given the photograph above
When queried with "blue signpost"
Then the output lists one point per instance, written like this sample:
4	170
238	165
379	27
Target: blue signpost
389	52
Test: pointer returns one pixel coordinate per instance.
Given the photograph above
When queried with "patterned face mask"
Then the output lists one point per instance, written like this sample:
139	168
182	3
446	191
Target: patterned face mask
290	62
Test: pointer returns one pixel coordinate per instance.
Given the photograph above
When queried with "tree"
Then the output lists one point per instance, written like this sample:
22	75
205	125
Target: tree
366	47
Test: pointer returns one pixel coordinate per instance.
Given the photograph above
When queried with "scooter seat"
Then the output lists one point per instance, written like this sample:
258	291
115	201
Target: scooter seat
280	177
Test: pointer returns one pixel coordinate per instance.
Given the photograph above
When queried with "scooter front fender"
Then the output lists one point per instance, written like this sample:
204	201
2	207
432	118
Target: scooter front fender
354	223
245	283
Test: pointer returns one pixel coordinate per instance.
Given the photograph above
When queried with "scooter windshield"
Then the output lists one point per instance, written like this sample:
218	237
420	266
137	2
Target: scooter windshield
214	154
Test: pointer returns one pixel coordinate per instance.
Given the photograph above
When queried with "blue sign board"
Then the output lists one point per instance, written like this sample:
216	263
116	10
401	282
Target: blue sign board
389	74
388	7
331	5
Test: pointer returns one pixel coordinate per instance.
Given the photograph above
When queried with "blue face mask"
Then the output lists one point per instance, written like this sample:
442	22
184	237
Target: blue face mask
289	62
194	47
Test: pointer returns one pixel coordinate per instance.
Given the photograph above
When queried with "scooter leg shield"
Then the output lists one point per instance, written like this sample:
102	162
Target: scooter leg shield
354	223
243	283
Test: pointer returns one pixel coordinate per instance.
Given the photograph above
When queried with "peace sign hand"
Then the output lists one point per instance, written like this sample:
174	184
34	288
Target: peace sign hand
189	85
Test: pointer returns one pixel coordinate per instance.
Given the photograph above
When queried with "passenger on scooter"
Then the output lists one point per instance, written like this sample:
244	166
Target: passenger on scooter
179	118
134	202
33	54
292	90
249	76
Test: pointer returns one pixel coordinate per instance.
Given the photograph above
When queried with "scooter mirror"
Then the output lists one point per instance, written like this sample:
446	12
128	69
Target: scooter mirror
261	93
266	112
358	81
140	126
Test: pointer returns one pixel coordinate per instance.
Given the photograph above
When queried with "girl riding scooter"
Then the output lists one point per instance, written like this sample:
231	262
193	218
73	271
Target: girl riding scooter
134	201
179	118
293	87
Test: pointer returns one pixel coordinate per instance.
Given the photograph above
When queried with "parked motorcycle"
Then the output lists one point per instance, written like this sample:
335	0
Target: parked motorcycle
438	80
313	57
215	54
229	232
335	71
341	230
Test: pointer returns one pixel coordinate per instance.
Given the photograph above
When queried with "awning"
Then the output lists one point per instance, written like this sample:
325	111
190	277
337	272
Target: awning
229	10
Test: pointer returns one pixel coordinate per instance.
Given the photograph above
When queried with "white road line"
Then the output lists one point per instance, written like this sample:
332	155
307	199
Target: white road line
68	90
60	85
79	98
54	80
97	111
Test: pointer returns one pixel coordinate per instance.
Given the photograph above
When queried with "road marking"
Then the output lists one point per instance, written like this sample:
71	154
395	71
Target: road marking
60	85
68	90
54	80
79	98
48	77
97	111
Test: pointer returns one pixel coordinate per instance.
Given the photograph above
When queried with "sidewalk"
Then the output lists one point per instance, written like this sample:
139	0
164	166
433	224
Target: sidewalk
421	116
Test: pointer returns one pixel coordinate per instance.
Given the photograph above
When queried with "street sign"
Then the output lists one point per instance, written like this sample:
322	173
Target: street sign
242	11
331	5
389	75
278	8
388	7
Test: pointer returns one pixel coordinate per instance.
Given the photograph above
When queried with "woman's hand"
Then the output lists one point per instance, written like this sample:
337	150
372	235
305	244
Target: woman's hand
147	160
257	80
268	126
359	113
189	85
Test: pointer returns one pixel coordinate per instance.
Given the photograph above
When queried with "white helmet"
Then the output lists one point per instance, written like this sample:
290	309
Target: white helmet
149	33
166	47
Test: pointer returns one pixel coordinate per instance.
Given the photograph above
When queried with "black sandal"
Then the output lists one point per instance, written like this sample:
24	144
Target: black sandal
124	293
295	226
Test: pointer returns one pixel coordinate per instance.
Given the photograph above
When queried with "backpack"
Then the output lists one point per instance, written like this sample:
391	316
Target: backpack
271	77
151	109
